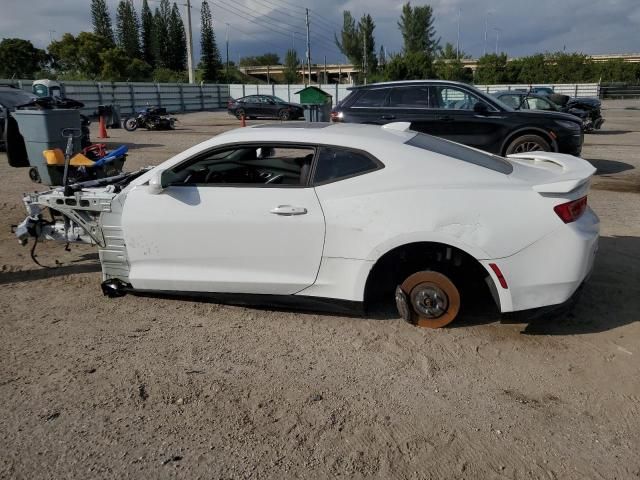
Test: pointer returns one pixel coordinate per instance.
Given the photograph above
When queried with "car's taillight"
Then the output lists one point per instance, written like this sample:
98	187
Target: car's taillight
571	211
337	116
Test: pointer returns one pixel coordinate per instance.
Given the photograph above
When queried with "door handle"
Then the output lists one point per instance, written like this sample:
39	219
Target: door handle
445	118
387	117
288	210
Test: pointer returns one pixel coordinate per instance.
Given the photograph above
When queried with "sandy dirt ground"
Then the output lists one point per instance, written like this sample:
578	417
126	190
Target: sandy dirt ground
141	387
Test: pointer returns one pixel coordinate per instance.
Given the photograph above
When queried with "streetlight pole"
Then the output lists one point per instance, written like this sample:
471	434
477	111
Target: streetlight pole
189	42
497	38
227	42
458	40
308	45
486	26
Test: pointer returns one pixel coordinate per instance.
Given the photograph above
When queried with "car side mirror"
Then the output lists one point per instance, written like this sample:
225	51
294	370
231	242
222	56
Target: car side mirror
156	185
481	108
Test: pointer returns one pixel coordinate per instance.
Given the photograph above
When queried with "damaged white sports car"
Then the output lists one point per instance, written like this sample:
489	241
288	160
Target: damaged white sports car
339	214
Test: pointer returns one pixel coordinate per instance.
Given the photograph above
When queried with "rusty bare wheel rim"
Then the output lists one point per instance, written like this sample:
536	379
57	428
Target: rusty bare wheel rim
429	300
433	299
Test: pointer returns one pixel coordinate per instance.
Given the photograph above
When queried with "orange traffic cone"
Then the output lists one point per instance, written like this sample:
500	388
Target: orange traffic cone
102	129
243	121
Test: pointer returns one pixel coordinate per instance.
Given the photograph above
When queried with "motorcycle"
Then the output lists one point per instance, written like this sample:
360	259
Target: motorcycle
151	118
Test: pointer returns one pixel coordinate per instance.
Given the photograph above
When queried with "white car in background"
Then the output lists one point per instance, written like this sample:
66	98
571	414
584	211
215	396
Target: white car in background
341	213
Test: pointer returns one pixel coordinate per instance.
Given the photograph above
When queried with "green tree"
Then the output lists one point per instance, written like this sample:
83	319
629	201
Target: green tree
264	60
492	69
617	70
570	67
114	64
177	48
382	58
127	27
146	33
164	75
210	63
101	21
366	27
418	32
449	65
291	64
160	30
19	58
139	71
409	66
78	57
349	43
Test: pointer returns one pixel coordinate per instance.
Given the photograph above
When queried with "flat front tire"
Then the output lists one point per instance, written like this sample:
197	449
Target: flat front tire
428	299
528	143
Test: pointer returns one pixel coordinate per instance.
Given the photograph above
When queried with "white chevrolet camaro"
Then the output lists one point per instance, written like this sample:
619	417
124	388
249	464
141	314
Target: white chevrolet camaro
340	215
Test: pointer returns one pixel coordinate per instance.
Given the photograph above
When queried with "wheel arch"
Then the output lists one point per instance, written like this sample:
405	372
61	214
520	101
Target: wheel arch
528	131
450	249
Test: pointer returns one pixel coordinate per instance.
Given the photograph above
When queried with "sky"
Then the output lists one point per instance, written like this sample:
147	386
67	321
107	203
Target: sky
522	27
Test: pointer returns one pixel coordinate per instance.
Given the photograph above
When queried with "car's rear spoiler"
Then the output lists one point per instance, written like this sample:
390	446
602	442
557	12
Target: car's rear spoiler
575	171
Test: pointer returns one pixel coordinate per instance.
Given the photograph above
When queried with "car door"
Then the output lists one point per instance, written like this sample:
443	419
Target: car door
270	107
456	119
205	234
413	104
252	105
368	107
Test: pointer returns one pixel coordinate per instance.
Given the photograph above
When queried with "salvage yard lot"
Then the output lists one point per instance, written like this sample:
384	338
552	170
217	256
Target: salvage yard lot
135	387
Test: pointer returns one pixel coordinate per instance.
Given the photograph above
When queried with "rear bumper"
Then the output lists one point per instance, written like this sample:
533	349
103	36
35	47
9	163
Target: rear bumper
549	271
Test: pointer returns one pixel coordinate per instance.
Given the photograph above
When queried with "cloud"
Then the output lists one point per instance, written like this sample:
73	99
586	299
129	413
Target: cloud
258	26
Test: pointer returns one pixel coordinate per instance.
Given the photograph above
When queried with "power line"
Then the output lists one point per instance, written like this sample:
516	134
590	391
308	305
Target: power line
325	40
267	22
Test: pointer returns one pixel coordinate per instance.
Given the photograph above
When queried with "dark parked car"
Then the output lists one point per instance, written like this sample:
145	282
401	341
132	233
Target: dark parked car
585	109
461	113
10	98
270	106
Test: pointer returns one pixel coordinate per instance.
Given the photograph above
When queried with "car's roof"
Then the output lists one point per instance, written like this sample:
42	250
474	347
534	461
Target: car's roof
409	82
353	135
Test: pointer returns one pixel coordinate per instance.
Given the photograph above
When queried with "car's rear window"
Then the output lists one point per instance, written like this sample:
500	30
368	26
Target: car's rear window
461	152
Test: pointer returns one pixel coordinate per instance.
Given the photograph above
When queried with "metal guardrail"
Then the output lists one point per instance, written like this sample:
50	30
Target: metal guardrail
179	97
620	92
132	96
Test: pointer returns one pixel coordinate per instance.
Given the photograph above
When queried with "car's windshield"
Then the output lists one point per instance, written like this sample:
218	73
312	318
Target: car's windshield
279	100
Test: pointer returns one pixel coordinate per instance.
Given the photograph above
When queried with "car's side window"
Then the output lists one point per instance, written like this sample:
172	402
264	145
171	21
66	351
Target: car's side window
411	97
254	165
338	163
511	100
538	104
372	98
453	98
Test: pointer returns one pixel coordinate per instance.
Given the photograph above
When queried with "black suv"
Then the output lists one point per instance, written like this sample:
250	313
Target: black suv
461	113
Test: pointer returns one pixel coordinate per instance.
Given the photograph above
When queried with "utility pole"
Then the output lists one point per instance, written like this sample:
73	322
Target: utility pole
486	25
308	45
189	42
497	38
458	41
364	56
227	41
326	77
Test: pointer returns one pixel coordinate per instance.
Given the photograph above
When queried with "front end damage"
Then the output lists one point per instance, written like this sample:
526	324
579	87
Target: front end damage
86	212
